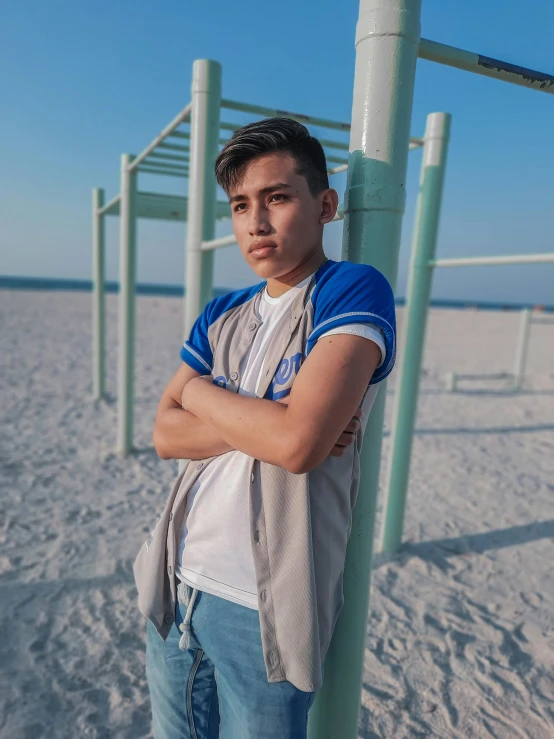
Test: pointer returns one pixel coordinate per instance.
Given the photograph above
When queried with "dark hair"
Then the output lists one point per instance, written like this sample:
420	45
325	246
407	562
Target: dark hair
266	137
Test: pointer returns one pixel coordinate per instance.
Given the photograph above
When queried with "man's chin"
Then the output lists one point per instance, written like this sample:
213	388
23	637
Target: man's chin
267	269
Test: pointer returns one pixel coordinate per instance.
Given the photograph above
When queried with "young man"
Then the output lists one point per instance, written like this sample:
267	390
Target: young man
241	580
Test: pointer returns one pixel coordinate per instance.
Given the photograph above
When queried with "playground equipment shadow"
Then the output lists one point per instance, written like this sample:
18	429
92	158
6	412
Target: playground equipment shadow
441	549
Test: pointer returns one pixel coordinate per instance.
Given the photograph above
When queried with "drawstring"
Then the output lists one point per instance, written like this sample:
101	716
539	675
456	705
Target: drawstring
186	598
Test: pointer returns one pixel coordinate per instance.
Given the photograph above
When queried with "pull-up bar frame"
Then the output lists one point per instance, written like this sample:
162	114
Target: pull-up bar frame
163	156
388	43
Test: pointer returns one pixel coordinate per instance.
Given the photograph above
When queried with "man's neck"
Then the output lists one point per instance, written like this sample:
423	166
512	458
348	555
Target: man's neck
279	286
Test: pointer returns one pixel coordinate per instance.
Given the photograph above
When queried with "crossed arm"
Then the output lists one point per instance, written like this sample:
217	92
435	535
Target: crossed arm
297	435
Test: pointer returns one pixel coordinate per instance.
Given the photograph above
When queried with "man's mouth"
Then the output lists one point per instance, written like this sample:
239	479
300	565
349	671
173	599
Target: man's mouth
261	249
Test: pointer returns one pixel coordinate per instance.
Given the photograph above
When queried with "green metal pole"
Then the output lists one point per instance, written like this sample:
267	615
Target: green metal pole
206	102
98	299
127	285
387	43
418	294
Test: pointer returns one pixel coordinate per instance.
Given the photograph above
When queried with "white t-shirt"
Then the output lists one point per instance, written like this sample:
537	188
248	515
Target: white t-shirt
215	550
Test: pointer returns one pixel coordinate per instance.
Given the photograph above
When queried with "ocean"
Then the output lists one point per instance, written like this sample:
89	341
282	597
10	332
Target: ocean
8	282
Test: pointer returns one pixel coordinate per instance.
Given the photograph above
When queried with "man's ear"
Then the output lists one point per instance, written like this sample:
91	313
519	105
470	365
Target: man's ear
329	205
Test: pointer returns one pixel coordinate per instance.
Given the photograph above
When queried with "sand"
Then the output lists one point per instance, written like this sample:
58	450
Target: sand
460	637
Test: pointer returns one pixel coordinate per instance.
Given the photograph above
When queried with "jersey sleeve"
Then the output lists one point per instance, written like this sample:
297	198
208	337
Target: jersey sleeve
367	330
196	351
355	293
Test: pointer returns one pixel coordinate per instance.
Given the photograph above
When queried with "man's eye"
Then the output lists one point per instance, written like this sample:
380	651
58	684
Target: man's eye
239	207
278	196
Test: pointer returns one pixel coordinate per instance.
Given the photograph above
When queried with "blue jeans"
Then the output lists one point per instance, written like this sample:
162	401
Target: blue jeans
218	687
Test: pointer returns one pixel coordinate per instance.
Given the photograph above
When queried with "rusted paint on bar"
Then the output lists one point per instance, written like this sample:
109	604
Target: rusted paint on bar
529	76
479	64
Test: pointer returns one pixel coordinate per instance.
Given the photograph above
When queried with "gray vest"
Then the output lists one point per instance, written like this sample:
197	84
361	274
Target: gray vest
300	523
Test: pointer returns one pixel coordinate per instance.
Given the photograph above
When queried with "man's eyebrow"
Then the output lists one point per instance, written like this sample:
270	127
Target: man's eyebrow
263	191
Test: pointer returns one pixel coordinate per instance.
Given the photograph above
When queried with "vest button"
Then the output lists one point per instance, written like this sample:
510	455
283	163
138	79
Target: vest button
199	466
168	618
234	376
257	539
263	596
252	326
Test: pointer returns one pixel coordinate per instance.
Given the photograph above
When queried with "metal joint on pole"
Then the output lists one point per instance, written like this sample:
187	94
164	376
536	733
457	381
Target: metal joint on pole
127	287
98	295
387	43
415	323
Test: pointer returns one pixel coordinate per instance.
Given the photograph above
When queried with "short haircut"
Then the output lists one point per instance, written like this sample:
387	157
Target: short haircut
266	137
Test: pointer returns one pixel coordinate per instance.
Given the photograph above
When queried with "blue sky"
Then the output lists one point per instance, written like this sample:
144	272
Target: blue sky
83	82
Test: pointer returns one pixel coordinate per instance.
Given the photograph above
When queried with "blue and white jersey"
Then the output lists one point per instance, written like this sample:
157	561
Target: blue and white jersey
340	293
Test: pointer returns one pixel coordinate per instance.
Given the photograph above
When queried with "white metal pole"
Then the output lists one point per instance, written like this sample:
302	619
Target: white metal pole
481	261
206	101
451	382
522	347
387	43
98	299
127	280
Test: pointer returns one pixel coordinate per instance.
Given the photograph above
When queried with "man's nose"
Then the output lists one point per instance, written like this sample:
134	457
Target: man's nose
259	222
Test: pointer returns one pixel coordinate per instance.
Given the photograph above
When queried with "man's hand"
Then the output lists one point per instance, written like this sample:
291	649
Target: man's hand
347	436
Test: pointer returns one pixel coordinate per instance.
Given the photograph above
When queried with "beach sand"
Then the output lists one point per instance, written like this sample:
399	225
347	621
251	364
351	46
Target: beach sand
460	636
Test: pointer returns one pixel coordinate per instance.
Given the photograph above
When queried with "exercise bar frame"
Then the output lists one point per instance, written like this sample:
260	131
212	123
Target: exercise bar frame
195	163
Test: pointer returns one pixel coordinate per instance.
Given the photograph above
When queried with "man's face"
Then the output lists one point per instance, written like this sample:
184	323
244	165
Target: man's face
278	223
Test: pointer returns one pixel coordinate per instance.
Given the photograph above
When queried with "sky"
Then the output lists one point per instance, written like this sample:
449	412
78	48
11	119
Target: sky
85	81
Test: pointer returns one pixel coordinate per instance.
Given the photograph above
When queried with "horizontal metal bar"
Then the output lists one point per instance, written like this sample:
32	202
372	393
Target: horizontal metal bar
471	62
476	261
327	144
111	205
174	147
184	135
161	206
493	376
230	126
168	157
274	113
218	243
165	166
179	118
336	170
416	143
337	160
157	170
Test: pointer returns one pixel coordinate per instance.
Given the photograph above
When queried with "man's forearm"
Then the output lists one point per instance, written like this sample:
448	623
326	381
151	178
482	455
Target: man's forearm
259	428
178	434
